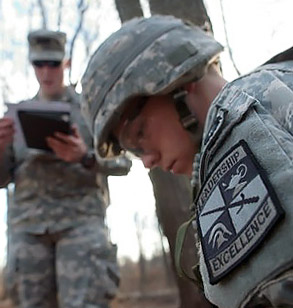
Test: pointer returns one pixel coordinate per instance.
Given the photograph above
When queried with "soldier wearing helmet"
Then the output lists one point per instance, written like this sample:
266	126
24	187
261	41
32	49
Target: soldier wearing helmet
153	88
59	253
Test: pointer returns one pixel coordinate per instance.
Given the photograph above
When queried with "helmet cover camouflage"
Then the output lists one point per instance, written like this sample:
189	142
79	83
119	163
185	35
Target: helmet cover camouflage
147	56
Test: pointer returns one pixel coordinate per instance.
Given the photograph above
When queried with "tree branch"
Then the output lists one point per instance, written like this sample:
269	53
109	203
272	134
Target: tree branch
43	13
82	9
60	5
227	40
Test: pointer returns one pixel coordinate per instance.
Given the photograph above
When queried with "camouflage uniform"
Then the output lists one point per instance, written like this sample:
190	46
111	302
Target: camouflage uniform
256	108
252	116
59	250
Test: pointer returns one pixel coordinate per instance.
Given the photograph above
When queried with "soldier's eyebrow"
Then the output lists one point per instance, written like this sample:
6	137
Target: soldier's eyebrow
137	109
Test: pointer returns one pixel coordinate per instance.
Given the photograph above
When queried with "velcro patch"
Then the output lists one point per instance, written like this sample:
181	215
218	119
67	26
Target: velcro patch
237	207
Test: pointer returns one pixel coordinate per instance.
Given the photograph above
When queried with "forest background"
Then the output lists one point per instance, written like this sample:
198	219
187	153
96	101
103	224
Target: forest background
251	31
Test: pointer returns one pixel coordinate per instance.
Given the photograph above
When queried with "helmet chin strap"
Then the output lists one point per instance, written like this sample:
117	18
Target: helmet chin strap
187	118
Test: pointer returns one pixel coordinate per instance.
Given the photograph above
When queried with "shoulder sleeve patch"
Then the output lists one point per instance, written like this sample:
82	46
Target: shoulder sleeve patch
237	208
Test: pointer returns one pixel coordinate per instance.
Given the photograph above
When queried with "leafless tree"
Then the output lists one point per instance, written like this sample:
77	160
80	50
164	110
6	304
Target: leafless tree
128	9
142	262
169	274
43	13
88	39
192	10
173	196
82	7
227	40
59	12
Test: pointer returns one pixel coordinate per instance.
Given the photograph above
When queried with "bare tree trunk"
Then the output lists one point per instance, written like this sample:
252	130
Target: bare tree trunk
142	261
165	259
173	196
128	9
192	10
90	35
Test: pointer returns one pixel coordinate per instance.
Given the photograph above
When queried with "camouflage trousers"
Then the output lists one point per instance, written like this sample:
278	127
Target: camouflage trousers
73	268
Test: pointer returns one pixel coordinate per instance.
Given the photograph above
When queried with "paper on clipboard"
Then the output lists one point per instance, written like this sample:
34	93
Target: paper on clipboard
12	112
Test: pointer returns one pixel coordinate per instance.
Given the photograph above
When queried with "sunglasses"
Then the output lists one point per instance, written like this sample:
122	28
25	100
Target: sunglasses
46	63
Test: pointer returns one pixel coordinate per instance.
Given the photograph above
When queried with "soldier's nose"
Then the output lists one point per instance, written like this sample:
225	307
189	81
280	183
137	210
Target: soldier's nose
150	160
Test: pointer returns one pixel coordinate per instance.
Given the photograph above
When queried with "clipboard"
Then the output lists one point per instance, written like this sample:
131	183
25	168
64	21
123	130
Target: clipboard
37	125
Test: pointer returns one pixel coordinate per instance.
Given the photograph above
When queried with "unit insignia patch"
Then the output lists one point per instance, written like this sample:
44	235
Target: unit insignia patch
237	208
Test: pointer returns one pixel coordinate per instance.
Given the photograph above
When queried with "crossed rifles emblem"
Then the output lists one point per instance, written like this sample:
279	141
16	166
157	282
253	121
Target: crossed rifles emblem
217	235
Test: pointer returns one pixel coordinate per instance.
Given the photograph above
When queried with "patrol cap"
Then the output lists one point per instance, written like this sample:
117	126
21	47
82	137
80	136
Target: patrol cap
145	57
46	45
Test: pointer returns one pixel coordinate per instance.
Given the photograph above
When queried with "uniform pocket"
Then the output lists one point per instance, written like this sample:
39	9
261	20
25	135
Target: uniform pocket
104	274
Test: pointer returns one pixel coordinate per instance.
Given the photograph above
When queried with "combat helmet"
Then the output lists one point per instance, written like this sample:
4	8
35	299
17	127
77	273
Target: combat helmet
147	56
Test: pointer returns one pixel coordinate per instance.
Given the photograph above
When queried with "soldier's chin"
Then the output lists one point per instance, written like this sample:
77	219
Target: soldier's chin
49	90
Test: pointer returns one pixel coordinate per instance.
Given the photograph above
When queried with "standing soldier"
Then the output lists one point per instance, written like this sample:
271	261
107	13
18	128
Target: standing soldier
59	251
149	89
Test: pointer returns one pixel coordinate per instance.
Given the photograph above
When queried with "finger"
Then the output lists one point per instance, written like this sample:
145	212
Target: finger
6	122
5	142
56	144
65	137
61	150
6	132
61	146
75	131
6	136
6	129
75	137
7	119
56	141
69	139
